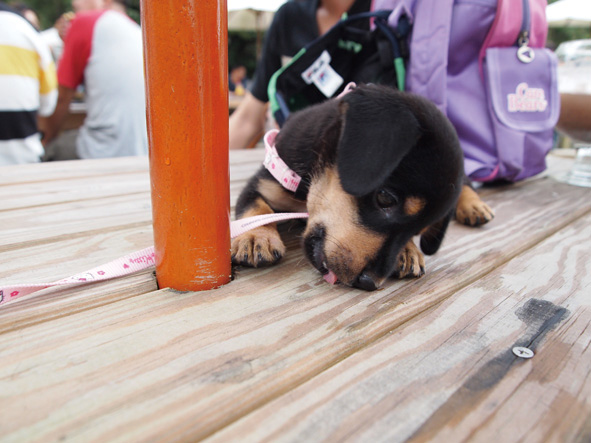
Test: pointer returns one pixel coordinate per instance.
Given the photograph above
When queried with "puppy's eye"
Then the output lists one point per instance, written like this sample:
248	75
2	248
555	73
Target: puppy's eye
386	199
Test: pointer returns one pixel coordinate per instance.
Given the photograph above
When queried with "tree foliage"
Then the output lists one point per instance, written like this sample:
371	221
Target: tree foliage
49	11
242	50
562	34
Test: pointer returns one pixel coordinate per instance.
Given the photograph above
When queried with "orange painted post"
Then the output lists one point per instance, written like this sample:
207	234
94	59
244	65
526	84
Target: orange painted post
185	52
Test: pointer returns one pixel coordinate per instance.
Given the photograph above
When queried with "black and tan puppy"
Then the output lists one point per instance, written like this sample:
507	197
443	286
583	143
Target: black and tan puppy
378	167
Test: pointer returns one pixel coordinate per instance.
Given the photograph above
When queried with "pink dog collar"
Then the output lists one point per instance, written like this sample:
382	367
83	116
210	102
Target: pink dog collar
277	167
289	179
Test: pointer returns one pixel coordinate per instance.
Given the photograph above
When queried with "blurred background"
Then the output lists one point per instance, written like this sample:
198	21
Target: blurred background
50	10
568	20
248	20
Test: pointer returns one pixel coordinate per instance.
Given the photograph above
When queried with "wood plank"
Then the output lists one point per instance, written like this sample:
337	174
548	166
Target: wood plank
68	190
67	238
46	172
29	186
33	226
60	259
450	374
242	156
168	365
71	256
23	227
26	223
51	261
52	303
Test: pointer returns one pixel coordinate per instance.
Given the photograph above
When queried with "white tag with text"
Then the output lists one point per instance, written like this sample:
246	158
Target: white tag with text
326	79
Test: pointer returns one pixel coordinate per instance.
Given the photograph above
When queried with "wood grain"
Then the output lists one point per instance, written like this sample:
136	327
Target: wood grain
450	373
26	227
121	363
71	255
47	172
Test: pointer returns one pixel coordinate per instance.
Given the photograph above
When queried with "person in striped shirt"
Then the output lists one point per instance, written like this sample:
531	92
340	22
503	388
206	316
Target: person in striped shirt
28	88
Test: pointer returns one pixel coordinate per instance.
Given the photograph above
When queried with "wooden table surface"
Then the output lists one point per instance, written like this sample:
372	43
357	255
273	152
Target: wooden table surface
278	354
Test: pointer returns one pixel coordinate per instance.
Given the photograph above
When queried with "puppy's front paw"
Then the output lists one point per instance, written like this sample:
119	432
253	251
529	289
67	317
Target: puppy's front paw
258	247
474	214
410	262
471	210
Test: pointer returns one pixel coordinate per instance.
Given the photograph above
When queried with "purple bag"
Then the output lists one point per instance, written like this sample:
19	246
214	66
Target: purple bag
484	65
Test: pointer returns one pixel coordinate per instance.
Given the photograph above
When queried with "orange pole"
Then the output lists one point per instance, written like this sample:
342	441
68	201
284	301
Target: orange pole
185	61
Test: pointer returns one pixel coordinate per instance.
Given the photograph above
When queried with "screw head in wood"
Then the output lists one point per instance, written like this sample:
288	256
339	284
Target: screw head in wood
523	352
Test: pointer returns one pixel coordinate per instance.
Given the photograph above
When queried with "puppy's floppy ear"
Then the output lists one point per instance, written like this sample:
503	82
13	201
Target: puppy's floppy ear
432	236
377	133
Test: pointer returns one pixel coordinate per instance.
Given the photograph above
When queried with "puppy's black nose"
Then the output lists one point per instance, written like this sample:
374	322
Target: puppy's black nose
313	245
364	281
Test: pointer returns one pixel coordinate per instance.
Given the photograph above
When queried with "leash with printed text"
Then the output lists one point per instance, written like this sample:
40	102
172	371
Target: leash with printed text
134	262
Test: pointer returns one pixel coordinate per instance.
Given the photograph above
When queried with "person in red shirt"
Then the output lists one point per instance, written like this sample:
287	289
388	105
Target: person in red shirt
103	52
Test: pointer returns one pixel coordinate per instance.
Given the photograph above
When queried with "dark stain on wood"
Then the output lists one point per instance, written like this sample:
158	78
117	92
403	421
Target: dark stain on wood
539	318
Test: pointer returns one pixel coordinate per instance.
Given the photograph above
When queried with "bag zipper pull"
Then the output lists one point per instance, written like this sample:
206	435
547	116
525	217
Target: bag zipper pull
525	54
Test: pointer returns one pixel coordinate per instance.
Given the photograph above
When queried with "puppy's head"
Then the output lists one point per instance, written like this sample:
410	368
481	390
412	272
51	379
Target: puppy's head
395	171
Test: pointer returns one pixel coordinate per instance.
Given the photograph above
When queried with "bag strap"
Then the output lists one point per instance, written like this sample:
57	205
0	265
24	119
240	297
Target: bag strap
427	73
396	37
504	30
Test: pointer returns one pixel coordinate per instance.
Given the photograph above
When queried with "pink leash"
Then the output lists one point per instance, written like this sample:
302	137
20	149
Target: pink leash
136	261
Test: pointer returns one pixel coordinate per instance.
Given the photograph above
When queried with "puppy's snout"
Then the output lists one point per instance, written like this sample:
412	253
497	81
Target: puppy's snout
314	243
336	261
366	282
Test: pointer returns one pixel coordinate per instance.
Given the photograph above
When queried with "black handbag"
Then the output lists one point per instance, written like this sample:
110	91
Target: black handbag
346	53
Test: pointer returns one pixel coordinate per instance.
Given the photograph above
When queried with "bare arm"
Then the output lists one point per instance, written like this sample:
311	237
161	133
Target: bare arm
52	125
247	123
575	116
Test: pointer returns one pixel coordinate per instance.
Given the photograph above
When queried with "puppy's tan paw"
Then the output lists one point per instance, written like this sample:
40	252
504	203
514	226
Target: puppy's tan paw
471	210
258	247
410	262
475	214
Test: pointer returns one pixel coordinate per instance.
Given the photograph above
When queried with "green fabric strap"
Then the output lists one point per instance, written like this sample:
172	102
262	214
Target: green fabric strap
272	88
400	72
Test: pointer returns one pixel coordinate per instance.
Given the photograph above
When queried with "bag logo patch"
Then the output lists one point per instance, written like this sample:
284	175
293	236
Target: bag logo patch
527	99
350	46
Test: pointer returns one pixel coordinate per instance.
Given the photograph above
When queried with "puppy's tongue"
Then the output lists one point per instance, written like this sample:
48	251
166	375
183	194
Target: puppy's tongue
330	278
